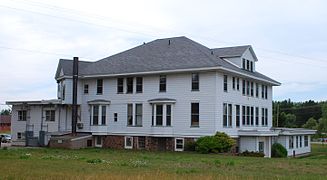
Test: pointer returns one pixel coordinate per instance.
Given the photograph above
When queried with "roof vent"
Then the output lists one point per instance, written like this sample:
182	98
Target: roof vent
169	42
211	52
143	43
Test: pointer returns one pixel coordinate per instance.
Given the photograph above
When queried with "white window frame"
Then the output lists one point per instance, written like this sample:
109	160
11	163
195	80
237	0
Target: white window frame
179	149
125	142
164	114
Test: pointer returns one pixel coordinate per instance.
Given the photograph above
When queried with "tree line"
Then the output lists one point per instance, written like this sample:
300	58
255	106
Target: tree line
309	114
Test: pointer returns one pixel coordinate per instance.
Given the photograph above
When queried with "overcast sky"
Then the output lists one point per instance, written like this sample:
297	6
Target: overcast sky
289	38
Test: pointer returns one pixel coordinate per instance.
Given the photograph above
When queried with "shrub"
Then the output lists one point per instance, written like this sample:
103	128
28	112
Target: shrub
252	154
190	146
218	143
278	150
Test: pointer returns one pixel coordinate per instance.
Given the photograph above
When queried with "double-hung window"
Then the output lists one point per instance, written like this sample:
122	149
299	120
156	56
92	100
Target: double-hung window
103	114
238	114
225	83
120	85
306	141
238	84
22	115
252	89
168	115
159	115
256	116
50	115
290	142
138	114
195	82
227	117
139	84
256	90
234	83
243	115
195	116
129	114
243	87
86	88
252	115
162	83
129	84
99	86
95	114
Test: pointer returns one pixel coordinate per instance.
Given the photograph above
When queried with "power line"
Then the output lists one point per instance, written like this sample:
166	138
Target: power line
135	32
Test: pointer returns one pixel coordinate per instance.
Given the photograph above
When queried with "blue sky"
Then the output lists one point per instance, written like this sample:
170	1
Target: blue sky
289	38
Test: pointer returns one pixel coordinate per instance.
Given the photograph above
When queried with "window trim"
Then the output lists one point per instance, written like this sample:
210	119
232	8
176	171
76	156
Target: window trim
50	117
86	89
225	83
162	83
23	116
183	143
195	84
120	85
139	85
125	142
99	87
115	117
195	114
129	87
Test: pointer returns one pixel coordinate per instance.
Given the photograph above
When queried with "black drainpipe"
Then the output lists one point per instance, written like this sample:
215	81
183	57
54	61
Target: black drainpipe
74	107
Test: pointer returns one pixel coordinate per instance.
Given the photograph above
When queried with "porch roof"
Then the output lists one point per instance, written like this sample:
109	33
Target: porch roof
257	133
294	131
162	100
36	102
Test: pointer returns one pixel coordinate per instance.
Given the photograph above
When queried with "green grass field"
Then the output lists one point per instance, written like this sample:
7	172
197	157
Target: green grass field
44	163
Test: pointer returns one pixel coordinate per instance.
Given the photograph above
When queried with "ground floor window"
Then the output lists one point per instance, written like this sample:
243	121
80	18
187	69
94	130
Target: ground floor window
179	144
290	142
50	115
141	142
20	135
300	141
162	115
98	141
128	142
98	114
306	141
261	146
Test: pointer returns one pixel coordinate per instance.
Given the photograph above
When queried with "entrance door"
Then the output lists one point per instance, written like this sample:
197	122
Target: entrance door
261	146
162	144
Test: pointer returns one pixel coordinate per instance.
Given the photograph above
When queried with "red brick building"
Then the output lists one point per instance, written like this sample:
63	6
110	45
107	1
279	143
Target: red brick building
5	122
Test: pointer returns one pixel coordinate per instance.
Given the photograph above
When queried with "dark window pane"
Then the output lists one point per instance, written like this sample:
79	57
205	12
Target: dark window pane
129	114
162	83
194	114
225	83
86	88
99	86
103	118
139	84
159	115
129	82
95	114
195	81
168	115
120	85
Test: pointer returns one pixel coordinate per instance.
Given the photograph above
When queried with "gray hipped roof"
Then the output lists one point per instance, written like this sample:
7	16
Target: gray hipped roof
178	53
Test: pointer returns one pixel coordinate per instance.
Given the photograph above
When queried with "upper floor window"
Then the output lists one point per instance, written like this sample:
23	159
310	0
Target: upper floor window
86	88
262	91
247	64
238	84
129	83
63	92
99	86
162	83
256	90
264	116
243	64
139	84
247	87
251	66
234	83
225	83
266	92
195	115
50	115
195	81
22	115
120	85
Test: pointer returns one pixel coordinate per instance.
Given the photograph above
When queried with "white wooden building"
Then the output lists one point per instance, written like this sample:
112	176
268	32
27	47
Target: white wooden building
161	94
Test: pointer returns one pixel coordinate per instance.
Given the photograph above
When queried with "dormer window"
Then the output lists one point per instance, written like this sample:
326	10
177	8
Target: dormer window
248	65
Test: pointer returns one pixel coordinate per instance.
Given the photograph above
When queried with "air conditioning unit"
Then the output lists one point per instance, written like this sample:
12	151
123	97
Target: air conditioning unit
80	125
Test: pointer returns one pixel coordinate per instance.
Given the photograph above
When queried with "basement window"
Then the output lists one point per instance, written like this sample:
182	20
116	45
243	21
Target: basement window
179	144
128	142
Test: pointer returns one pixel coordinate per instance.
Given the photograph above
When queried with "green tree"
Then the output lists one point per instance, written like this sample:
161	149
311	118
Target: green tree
290	120
311	124
5	112
322	126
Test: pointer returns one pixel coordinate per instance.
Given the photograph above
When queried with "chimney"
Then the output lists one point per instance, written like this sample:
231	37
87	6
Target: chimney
74	107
